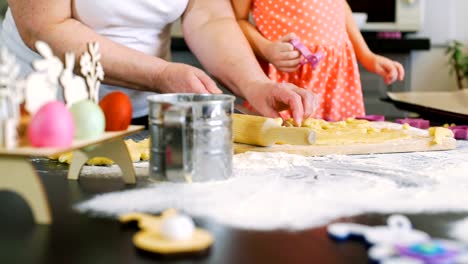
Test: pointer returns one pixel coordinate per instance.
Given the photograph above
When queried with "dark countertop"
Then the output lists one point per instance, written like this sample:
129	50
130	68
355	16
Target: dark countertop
378	45
82	238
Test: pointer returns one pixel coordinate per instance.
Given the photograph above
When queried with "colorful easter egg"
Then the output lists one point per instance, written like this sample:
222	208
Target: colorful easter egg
51	126
89	120
117	109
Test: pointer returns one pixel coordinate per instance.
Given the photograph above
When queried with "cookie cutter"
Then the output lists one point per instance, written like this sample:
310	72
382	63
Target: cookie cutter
398	242
372	118
460	132
433	251
309	57
414	122
397	230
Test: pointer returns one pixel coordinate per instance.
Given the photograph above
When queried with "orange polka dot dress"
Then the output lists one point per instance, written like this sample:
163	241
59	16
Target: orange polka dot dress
321	26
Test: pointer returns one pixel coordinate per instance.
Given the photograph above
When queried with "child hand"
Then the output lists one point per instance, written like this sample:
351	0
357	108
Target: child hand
283	55
389	70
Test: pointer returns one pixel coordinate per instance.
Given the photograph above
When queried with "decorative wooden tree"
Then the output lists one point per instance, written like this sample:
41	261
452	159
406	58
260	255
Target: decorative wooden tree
11	96
91	69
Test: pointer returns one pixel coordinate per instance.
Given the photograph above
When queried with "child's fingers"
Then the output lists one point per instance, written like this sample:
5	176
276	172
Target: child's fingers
401	71
285	47
289	63
290	55
288	69
390	72
391	77
288	37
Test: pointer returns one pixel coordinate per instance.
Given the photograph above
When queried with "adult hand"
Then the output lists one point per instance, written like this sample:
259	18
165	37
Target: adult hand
269	98
182	78
282	54
388	69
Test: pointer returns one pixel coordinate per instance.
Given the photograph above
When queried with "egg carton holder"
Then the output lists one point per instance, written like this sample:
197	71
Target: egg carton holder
39	88
399	243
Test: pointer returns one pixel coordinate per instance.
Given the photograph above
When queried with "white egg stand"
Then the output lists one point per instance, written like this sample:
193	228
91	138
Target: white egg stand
17	172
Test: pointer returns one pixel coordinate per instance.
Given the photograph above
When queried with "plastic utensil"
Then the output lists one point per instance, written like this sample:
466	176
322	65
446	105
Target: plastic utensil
399	243
415	122
460	132
312	58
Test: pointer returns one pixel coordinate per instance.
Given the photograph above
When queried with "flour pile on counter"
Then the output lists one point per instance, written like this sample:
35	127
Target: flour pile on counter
459	230
278	190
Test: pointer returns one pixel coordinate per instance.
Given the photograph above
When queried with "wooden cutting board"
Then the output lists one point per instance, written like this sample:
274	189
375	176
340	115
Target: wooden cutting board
417	142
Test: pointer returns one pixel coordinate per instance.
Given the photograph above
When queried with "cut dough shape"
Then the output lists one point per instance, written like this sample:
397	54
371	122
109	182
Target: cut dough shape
151	239
349	131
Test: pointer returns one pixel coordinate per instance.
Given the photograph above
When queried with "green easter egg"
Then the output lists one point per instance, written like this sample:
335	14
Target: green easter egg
89	120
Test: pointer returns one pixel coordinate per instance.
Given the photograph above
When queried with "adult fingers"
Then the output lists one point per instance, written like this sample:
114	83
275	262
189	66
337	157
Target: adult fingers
208	83
195	85
309	101
293	100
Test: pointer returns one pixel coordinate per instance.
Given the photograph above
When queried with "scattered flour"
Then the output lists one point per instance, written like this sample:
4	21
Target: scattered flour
459	230
113	171
279	190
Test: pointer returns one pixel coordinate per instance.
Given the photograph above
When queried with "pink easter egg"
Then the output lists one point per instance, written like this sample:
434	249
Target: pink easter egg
51	126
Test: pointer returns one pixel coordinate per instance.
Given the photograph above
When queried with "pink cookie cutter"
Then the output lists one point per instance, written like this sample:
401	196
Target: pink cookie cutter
372	118
415	122
312	58
460	132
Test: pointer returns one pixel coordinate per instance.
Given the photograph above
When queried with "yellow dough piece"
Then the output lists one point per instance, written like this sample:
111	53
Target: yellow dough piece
137	150
439	133
150	238
349	131
362	131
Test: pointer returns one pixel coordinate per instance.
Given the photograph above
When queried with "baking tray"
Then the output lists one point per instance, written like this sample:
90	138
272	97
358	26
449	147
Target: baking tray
438	107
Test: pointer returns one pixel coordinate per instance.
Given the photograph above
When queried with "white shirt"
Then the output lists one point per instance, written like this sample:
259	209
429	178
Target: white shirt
143	25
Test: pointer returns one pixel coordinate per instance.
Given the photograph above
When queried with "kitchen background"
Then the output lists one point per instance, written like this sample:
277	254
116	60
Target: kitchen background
428	70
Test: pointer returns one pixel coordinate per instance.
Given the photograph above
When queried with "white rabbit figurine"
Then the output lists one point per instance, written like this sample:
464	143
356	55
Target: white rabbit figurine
74	86
42	85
